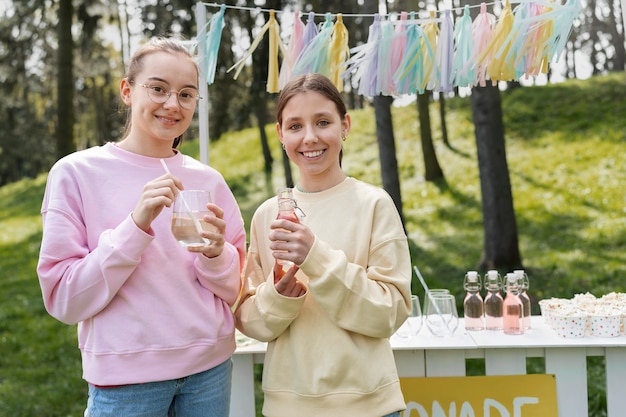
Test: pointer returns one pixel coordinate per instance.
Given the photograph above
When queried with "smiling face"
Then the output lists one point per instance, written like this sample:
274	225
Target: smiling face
155	125
311	130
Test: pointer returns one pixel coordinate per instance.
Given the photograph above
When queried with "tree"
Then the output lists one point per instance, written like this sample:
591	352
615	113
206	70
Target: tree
65	81
432	169
387	150
500	246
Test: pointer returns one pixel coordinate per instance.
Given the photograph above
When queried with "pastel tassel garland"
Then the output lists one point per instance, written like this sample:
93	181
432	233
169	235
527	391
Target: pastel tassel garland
408	56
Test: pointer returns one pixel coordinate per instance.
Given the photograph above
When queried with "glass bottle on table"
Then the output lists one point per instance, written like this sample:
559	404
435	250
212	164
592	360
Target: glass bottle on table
513	322
493	301
473	308
524	284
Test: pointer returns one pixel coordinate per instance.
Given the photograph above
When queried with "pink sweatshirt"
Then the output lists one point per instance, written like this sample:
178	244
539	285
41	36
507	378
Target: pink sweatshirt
147	309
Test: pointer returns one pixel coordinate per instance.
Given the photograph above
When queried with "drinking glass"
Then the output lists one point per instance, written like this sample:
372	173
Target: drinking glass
441	316
435	291
413	323
190	208
415	319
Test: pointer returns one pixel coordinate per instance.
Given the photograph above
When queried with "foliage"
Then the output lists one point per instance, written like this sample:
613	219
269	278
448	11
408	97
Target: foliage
566	162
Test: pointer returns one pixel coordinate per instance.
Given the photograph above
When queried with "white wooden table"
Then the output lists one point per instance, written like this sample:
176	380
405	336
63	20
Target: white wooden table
425	355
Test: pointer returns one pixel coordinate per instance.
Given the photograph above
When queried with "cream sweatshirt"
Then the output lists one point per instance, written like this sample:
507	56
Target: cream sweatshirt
328	351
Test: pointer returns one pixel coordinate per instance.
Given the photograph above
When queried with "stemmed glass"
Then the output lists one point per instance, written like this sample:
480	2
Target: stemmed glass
441	316
413	323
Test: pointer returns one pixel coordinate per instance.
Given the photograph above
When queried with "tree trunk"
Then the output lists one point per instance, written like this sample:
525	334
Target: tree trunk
500	230
65	81
432	170
442	117
387	150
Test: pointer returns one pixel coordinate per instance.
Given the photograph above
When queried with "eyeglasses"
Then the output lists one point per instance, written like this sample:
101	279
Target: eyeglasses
160	93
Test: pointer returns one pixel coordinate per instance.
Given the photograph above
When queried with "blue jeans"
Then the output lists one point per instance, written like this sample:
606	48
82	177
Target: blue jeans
205	394
396	414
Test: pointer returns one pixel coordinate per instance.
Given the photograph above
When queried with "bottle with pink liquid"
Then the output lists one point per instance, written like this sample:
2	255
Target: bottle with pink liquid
287	209
493	301
513	308
473	308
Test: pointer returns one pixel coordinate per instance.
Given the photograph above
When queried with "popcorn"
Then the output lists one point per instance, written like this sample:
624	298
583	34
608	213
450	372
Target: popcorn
599	317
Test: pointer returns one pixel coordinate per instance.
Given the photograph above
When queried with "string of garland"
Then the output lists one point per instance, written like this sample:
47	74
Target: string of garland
405	54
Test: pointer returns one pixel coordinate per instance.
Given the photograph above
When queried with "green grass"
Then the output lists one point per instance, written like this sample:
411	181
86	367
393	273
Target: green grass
566	151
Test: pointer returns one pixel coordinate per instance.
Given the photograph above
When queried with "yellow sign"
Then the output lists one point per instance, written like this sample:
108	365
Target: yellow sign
481	396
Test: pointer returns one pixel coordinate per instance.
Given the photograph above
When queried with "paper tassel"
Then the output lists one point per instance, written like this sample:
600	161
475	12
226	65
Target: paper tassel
398	46
314	56
384	83
296	44
482	36
275	43
338	52
310	30
563	24
212	43
364	61
444	54
462	75
501	69
539	54
431	31
409	76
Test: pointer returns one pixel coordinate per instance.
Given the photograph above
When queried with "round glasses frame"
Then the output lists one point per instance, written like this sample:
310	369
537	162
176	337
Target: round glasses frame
159	93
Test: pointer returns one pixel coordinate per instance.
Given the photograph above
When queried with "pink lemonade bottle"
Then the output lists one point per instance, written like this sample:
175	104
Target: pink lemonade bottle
473	308
513	308
493	301
286	210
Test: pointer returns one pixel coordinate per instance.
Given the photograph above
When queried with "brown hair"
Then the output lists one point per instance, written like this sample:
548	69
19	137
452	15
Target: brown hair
310	82
135	66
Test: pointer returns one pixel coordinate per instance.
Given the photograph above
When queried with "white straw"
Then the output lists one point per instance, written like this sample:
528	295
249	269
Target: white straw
196	222
428	293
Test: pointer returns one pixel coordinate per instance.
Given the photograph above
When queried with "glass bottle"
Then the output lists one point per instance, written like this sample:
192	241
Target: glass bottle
513	308
524	284
493	301
286	210
473	308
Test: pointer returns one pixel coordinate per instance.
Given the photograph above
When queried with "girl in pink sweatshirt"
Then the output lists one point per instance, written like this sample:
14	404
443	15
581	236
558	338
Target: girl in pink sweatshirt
155	326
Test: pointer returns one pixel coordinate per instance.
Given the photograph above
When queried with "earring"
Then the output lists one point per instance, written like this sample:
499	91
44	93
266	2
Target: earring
283	145
344	137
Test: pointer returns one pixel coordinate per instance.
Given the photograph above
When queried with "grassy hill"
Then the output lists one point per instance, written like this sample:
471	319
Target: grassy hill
566	151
